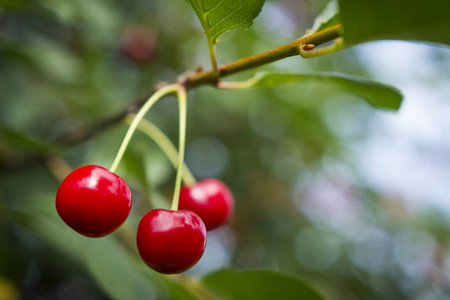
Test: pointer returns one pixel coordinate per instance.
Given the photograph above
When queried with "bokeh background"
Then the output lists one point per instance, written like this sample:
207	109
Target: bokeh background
354	200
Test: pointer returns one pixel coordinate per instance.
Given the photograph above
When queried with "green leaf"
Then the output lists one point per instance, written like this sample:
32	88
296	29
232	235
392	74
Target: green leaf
178	291
220	16
259	285
113	270
22	141
377	94
327	18
416	20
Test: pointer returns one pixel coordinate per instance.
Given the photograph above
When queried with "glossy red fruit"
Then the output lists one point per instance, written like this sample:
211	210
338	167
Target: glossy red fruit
93	201
169	241
210	199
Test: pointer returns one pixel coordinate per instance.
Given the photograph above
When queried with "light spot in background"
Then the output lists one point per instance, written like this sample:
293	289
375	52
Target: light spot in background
207	157
317	249
333	204
413	253
371	250
409	152
398	61
216	254
430	294
275	20
446	269
346	117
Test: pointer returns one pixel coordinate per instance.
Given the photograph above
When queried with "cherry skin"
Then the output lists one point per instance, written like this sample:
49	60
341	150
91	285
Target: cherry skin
93	201
210	199
171	242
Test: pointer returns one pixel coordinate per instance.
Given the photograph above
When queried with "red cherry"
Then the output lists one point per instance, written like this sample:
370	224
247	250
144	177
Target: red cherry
169	241
93	201
210	199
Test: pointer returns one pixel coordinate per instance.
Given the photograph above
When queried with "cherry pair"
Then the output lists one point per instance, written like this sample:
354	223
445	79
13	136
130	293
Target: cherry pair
95	202
173	241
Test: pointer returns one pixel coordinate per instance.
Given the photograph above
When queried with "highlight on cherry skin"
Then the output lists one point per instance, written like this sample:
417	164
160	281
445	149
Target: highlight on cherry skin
169	241
210	199
93	201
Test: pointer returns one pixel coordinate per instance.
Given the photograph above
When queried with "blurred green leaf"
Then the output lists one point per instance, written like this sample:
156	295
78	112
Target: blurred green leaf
113	269
20	141
158	200
178	291
134	162
220	16
259	285
377	94
328	17
39	215
57	62
65	11
417	20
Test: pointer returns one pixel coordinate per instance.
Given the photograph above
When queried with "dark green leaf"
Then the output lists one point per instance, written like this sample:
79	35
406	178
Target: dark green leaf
376	94
220	16
395	19
259	285
328	17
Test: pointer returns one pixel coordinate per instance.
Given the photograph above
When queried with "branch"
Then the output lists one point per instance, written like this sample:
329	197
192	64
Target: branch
83	133
194	79
254	61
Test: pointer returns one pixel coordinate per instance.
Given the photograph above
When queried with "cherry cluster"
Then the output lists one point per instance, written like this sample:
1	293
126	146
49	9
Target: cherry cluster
94	202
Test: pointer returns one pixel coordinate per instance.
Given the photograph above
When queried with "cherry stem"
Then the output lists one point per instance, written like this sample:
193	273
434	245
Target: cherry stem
145	108
182	99
153	132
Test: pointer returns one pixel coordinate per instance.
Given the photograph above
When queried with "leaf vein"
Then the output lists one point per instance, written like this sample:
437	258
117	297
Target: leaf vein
233	12
214	7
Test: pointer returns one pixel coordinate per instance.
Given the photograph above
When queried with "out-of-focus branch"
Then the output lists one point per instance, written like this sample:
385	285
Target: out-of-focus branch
83	133
189	80
208	77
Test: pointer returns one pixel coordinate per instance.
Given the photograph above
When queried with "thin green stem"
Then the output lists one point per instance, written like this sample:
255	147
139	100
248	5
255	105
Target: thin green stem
164	143
182	99
212	53
336	46
145	108
228	85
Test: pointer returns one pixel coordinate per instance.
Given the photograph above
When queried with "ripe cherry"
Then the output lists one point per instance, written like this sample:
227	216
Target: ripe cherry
210	199
169	241
93	201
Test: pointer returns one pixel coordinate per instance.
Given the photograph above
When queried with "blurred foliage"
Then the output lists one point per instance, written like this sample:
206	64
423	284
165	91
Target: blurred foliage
301	208
426	20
